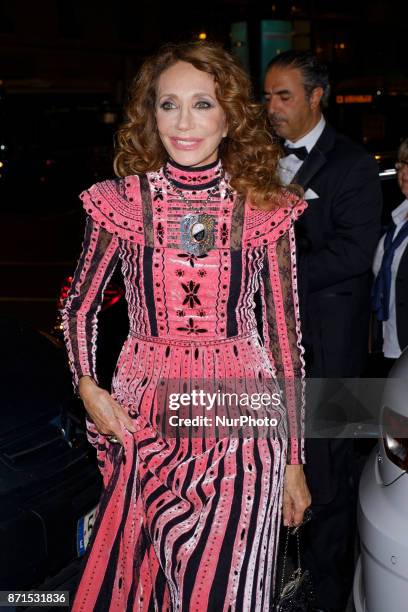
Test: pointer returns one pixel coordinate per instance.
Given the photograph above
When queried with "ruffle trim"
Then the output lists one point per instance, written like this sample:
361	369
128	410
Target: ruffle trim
116	205
263	227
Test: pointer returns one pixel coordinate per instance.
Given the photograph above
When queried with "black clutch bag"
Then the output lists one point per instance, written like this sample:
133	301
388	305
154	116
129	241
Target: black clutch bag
296	593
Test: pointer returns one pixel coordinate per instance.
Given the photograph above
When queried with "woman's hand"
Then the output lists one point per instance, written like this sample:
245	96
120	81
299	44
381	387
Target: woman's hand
108	416
296	495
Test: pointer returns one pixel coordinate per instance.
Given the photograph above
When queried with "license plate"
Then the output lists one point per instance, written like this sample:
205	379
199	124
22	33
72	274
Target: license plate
84	530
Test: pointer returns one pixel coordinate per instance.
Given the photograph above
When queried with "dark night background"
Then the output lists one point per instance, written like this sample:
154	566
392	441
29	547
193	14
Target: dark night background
64	69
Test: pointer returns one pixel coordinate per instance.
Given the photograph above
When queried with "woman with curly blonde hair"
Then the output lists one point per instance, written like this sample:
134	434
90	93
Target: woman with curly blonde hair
198	461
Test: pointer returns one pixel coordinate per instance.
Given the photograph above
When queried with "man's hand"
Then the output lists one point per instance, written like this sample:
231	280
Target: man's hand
108	416
296	495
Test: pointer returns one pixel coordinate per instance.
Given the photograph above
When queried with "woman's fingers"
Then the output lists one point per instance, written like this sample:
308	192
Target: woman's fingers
298	513
287	511
122	424
296	496
301	501
293	513
109	417
123	417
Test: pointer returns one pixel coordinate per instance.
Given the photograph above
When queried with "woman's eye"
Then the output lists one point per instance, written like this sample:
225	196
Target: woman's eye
167	105
203	104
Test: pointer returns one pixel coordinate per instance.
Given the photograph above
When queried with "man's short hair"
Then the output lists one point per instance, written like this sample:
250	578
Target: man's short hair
314	72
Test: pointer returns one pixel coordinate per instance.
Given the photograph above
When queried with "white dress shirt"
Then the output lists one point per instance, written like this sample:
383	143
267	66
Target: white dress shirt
289	165
391	348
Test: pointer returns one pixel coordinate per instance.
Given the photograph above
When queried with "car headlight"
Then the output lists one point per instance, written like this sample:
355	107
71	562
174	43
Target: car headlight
395	437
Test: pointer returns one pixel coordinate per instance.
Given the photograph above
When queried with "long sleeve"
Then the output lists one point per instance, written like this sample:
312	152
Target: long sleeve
282	336
100	252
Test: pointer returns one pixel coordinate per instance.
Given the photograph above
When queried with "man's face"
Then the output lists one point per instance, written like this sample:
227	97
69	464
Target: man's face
291	112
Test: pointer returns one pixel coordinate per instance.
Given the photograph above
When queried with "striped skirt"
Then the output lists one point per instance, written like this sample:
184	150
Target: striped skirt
184	524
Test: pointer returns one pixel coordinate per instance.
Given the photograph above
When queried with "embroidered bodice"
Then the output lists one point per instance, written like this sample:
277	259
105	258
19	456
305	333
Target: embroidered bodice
172	294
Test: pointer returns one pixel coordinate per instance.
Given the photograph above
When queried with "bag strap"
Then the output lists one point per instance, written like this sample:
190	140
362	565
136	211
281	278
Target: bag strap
308	514
285	556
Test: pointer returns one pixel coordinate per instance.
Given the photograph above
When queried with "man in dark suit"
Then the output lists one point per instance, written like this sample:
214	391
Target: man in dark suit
336	239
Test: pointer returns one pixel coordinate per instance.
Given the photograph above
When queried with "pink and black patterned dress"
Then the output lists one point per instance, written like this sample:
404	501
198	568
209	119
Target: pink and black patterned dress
188	524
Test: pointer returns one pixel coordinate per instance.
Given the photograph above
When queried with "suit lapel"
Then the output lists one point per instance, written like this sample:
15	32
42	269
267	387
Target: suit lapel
316	158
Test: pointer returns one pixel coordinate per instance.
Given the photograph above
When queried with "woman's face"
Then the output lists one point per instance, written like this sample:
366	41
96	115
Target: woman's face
190	121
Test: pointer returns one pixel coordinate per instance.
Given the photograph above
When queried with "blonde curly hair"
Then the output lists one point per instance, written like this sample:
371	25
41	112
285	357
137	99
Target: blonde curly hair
249	152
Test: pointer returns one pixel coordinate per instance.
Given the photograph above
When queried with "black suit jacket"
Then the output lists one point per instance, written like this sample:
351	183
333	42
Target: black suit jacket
336	239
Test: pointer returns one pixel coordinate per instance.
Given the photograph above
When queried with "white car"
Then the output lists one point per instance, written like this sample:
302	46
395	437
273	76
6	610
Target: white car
381	577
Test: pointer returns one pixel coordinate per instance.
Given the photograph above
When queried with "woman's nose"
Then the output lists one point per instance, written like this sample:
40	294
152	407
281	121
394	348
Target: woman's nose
185	119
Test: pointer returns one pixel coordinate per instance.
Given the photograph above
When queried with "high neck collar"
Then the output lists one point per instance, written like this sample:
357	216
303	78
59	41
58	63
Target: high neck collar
197	177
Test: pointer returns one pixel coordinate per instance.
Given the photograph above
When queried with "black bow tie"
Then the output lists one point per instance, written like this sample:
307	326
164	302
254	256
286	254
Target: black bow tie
300	152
